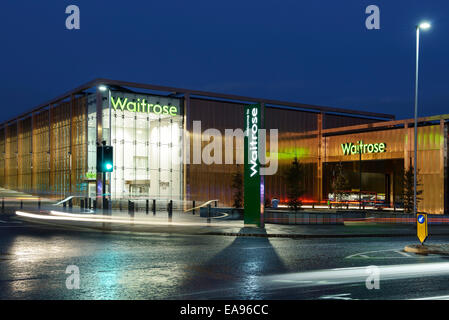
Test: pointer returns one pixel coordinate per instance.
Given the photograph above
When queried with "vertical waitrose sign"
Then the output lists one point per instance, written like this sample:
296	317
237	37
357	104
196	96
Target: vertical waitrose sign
251	194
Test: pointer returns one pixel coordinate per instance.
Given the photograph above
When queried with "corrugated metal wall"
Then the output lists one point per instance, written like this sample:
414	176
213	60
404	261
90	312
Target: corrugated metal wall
45	153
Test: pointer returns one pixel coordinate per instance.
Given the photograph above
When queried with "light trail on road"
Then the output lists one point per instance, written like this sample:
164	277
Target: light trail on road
360	274
61	216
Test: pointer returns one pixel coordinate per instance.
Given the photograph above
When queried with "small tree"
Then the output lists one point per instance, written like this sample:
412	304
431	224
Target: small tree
237	187
294	182
408	190
339	184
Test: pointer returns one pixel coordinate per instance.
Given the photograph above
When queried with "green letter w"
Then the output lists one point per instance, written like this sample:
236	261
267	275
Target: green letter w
119	103
346	148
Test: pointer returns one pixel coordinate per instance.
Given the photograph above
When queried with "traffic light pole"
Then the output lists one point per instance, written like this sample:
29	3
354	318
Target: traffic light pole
105	202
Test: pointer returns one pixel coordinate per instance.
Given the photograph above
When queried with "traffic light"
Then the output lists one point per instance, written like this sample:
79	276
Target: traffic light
105	161
108	163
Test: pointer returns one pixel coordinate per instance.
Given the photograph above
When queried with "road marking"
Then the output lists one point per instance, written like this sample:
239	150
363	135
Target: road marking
405	254
11	226
15	222
366	254
293	281
341	296
434	298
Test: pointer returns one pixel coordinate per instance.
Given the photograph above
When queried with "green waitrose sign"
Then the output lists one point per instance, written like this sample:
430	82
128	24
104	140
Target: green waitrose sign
360	147
253	187
141	105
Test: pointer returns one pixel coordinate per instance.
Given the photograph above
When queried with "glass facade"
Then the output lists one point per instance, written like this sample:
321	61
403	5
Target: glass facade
147	142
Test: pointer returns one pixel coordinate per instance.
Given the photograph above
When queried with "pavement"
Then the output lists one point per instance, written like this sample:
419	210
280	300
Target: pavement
188	224
425	249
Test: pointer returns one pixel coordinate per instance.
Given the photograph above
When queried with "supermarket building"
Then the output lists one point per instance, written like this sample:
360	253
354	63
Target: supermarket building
51	150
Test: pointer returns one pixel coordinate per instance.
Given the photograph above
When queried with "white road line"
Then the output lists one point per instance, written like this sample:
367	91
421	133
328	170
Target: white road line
293	281
341	296
434	298
11	226
405	254
365	255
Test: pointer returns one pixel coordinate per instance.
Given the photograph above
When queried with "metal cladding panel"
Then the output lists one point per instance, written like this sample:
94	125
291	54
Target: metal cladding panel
297	137
11	147
203	181
336	121
45	152
2	156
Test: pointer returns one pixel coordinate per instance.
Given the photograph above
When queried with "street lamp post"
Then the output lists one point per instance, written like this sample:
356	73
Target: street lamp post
104	88
423	25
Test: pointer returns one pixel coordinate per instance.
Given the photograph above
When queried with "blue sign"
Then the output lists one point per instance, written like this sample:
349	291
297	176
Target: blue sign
421	218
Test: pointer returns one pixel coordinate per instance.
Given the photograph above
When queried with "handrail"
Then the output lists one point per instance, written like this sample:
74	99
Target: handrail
204	204
63	201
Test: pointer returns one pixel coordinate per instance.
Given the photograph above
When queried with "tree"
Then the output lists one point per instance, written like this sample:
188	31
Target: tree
339	184
408	190
294	182
237	187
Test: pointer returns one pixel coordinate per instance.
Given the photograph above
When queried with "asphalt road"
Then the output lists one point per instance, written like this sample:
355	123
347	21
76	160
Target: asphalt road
33	263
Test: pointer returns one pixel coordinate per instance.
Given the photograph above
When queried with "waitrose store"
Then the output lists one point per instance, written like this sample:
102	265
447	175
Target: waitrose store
51	150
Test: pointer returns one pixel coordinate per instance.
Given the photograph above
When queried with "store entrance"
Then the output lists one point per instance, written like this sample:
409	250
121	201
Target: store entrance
380	181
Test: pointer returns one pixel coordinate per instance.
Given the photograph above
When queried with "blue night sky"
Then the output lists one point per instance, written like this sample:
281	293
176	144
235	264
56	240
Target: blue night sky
316	52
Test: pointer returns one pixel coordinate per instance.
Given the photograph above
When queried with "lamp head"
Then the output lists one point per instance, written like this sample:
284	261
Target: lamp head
424	25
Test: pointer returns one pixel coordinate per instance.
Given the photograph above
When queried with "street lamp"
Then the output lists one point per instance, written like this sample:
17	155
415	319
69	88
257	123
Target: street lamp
103	88
423	26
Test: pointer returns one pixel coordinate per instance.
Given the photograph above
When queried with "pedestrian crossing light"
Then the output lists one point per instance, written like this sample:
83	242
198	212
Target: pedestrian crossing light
105	161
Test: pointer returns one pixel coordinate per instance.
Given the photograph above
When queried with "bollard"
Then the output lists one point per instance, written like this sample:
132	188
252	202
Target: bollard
120	205
193	206
3	205
70	204
313	205
208	213
147	206
154	207
21	204
170	210
90	203
131	208
39	203
94	204
216	203
82	204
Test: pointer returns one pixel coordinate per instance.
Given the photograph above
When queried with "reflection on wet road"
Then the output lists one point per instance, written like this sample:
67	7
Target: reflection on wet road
124	266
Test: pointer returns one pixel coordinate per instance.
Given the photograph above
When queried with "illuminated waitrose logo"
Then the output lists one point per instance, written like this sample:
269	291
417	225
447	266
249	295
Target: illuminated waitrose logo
142	106
360	147
253	145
